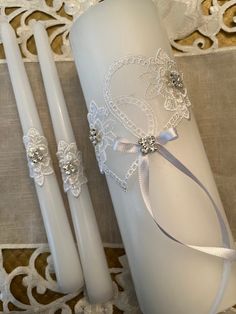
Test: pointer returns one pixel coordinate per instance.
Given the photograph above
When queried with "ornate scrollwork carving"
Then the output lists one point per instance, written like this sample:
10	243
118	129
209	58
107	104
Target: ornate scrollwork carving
37	284
193	26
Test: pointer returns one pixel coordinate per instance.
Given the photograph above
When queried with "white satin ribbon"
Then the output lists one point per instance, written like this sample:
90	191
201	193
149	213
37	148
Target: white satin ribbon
125	146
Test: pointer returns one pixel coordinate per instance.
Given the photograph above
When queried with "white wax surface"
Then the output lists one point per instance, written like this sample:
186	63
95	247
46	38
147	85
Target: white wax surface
168	277
96	274
61	242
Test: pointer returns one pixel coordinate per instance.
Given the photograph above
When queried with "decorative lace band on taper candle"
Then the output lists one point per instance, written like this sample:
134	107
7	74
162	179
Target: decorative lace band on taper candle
64	253
96	274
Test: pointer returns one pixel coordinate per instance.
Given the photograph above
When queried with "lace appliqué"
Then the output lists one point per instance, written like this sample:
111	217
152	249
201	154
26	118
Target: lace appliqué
152	67
39	161
164	79
70	161
101	134
151	81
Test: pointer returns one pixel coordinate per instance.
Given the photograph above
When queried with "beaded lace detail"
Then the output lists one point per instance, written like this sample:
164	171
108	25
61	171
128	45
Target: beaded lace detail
38	157
70	161
149	89
101	124
164	79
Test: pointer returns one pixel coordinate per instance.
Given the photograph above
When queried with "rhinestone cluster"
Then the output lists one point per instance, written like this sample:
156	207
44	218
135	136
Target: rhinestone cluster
70	168
176	80
36	155
94	137
70	161
148	145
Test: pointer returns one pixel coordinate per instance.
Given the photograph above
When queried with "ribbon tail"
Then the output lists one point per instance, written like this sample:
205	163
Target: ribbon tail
123	145
221	252
176	163
224	253
143	176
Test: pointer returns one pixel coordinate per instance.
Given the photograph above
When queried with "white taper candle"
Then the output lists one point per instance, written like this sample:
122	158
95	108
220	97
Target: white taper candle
59	235
96	274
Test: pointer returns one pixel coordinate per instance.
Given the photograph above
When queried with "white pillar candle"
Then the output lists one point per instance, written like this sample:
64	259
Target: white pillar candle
168	277
65	256
96	274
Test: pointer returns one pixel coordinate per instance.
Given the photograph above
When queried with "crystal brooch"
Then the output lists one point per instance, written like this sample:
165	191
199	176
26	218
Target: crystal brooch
148	145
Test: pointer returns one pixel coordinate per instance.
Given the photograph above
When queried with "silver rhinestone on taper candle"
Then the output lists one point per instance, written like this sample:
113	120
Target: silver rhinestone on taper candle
176	80
70	161
70	168
38	157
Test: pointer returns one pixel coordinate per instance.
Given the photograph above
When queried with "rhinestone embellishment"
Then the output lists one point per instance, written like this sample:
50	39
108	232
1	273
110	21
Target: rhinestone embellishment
94	137
176	80
36	155
148	145
70	168
70	161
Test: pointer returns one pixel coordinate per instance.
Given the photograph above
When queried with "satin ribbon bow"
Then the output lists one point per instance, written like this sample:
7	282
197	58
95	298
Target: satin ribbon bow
151	144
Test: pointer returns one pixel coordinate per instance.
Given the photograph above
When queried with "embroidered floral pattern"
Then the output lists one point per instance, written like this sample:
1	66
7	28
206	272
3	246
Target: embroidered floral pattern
149	78
70	161
101	127
39	161
164	79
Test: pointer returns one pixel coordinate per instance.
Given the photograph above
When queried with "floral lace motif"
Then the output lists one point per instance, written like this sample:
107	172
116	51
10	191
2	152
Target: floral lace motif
39	161
70	161
102	125
165	79
150	82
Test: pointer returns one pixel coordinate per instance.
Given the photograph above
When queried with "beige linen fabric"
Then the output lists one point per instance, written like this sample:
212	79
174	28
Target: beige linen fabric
211	81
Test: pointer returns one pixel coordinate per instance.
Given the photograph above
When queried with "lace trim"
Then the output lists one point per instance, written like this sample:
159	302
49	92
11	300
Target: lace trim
164	79
70	161
162	82
145	108
38	157
100	122
157	70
